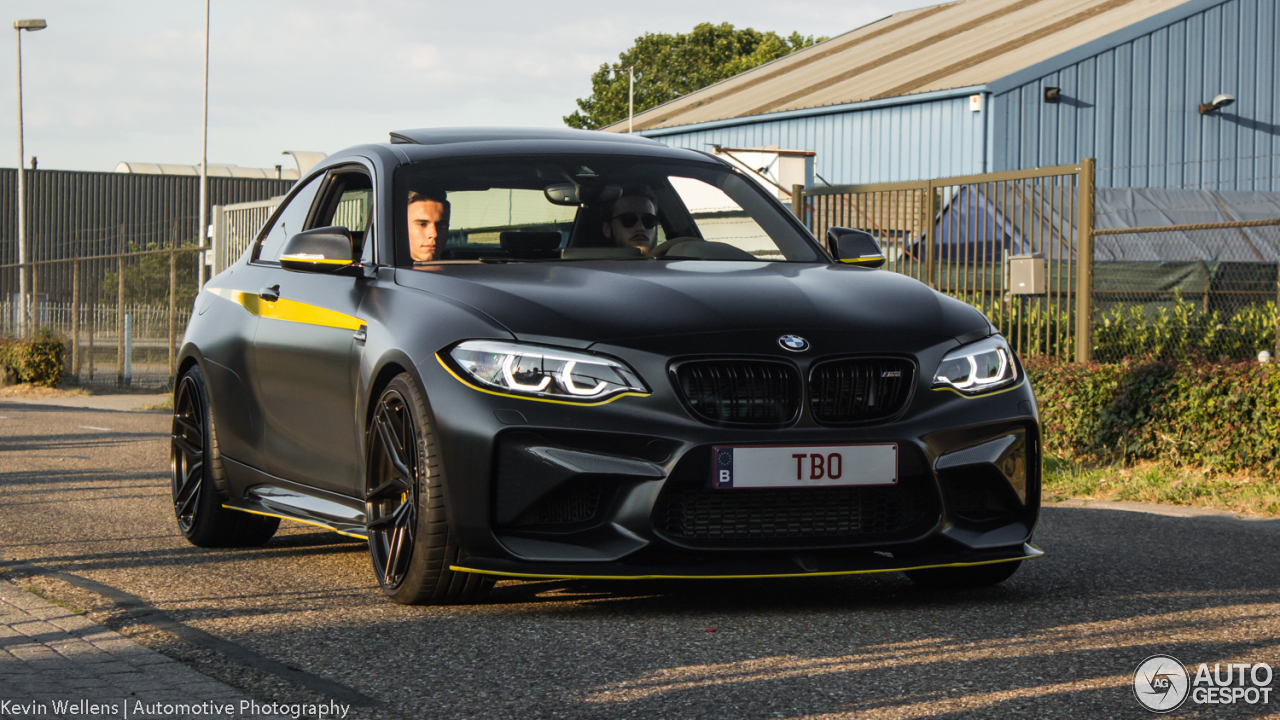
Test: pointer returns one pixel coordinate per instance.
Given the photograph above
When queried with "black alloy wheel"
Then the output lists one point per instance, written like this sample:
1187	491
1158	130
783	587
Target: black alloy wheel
410	542
188	452
196	474
391	505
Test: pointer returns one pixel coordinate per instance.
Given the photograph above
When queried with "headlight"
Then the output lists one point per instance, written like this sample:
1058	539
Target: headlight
977	367
544	372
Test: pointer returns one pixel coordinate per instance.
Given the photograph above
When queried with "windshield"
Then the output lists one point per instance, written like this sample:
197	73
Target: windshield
571	208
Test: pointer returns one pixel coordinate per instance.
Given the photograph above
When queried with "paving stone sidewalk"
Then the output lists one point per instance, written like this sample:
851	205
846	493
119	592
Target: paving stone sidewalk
49	654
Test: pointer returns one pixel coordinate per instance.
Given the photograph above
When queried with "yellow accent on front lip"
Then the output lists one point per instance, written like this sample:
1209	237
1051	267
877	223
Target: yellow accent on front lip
981	395
539	576
473	386
290	517
289	310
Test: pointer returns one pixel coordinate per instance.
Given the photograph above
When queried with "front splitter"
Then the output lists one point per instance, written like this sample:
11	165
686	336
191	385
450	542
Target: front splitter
796	566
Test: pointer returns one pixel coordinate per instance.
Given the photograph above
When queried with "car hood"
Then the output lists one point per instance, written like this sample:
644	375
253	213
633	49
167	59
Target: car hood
621	301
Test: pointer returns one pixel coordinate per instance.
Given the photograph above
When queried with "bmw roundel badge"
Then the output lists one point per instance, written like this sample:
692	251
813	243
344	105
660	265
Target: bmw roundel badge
794	343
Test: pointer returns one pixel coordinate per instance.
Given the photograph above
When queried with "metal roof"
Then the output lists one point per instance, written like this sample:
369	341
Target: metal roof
953	45
215	170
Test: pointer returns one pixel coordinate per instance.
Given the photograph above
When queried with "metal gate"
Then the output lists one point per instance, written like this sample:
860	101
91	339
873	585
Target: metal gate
960	235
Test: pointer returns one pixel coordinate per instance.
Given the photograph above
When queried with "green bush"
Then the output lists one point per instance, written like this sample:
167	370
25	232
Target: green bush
1223	418
1183	331
37	360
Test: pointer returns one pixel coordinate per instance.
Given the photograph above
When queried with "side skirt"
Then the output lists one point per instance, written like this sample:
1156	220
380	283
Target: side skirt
259	493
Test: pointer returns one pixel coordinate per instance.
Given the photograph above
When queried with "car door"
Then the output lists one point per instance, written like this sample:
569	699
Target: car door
233	307
306	352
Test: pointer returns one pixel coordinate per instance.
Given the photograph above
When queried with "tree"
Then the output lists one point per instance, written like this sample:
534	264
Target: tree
668	66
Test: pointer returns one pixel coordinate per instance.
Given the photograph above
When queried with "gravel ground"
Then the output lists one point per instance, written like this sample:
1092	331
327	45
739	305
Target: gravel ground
84	494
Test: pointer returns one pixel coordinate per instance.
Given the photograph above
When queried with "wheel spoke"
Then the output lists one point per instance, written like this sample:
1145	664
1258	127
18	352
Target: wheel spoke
187	427
189	451
393	486
190	490
391	519
391	448
393	557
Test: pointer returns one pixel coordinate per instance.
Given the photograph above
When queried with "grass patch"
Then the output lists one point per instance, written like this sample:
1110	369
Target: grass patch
1153	482
166	405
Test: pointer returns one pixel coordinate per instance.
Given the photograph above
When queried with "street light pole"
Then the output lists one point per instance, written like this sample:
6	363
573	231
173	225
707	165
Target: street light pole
18	27
631	99
204	158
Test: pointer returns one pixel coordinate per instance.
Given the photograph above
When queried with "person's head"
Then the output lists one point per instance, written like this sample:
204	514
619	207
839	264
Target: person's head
632	220
428	223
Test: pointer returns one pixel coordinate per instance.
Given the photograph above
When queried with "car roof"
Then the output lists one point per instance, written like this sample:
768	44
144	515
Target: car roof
429	143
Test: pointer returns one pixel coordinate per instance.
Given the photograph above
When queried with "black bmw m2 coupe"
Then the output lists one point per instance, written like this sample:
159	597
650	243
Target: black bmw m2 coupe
498	353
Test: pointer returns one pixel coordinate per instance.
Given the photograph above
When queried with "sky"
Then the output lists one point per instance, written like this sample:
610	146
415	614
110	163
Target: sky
120	80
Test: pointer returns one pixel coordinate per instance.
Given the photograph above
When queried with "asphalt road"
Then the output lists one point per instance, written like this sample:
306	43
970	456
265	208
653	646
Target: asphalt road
85	518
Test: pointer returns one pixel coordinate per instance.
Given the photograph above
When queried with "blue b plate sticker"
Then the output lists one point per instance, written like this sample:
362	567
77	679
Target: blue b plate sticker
805	466
724	467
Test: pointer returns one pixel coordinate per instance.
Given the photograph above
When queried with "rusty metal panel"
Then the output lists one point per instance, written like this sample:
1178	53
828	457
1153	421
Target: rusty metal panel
953	45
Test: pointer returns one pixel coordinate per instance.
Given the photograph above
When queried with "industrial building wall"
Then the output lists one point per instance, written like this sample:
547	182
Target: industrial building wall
71	214
936	138
1133	106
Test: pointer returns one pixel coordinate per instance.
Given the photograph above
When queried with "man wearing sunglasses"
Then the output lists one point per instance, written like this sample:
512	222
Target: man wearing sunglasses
632	220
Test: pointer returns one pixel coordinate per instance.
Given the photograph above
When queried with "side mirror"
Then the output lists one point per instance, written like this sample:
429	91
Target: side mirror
855	247
326	250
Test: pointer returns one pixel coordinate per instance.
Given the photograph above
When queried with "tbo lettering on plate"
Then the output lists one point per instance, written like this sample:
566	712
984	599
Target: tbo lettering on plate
830	467
772	467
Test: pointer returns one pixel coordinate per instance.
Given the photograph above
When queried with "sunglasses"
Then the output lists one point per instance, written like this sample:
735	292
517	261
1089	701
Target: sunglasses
630	219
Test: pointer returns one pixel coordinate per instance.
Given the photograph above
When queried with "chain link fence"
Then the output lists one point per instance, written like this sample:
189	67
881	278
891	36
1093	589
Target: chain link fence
1155	296
120	316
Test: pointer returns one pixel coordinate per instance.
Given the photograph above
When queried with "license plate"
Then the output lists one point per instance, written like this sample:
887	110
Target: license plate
805	466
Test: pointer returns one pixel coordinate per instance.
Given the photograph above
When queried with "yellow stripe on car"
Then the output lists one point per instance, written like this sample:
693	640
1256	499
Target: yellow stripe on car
542	576
314	259
289	310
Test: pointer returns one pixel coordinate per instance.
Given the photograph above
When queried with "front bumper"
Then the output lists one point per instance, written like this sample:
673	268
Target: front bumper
544	489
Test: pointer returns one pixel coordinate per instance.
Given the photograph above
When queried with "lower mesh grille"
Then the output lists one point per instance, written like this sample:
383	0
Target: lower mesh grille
791	513
570	505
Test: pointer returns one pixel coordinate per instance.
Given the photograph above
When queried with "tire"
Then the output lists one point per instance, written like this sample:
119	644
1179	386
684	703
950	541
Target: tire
973	576
410	542
196	472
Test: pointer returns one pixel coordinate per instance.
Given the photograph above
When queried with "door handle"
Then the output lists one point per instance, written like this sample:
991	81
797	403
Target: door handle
270	294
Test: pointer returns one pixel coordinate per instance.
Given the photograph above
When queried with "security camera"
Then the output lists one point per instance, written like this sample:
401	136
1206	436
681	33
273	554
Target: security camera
1218	103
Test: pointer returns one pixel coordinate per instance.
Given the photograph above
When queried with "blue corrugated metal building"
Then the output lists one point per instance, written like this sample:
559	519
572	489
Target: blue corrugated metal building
960	88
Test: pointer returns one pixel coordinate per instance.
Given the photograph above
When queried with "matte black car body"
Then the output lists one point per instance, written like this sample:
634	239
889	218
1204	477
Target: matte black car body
292	399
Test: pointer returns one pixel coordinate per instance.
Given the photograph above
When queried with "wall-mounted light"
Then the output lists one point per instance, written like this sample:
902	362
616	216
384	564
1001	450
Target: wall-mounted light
1218	103
1051	95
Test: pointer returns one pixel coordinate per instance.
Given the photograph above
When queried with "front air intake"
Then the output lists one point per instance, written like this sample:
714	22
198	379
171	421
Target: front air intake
748	392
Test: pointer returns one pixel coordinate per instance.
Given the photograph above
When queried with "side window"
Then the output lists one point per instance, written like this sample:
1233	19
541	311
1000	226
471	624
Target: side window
348	202
289	222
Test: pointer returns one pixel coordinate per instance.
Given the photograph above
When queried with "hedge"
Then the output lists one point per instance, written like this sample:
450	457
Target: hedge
37	360
1224	418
